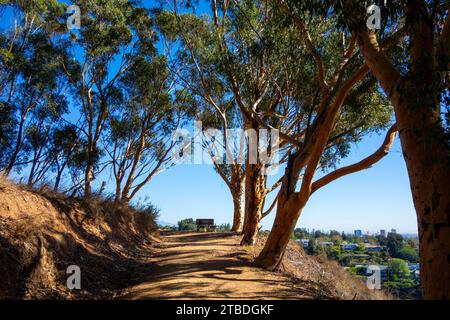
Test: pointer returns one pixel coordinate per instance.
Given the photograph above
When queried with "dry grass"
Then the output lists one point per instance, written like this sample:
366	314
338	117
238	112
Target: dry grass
327	278
42	233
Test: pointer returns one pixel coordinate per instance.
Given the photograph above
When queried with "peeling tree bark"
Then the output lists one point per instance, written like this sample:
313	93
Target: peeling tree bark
238	202
288	212
255	182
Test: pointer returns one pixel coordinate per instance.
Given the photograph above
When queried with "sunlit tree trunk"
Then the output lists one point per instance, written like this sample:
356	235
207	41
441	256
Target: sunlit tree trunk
288	212
238	202
255	193
427	155
425	144
87	181
291	203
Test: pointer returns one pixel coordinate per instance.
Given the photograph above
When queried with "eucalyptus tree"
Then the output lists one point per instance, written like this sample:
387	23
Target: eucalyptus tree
140	129
207	86
112	35
38	138
226	63
65	144
227	156
416	80
26	18
333	103
31	75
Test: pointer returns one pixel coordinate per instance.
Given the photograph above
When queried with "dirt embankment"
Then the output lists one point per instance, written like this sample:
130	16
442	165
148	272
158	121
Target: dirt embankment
42	234
325	278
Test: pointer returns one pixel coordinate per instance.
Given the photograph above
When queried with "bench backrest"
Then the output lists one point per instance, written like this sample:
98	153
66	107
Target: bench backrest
204	222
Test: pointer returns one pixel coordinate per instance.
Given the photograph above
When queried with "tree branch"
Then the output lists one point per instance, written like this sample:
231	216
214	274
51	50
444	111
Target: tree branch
382	68
309	44
362	165
265	214
276	185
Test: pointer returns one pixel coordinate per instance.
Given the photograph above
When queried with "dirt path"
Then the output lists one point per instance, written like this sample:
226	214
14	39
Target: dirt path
210	266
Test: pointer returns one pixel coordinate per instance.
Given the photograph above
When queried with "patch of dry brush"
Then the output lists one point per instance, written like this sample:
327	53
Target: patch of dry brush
323	278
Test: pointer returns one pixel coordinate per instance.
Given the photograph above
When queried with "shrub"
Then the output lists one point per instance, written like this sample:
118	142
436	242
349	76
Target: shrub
187	225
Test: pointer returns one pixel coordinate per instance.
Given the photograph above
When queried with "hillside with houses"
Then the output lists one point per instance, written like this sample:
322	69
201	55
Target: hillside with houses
394	256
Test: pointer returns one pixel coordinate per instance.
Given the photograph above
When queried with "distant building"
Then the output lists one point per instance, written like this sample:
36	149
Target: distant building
384	272
371	248
393	231
414	267
358	233
304	242
326	244
383	233
349	246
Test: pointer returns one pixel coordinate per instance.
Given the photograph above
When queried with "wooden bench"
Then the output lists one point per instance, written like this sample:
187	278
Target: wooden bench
205	225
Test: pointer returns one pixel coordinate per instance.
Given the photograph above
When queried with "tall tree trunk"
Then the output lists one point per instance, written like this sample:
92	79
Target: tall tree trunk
288	212
88	178
425	146
291	203
57	180
255	191
117	194
17	148
427	155
125	197
238	201
32	171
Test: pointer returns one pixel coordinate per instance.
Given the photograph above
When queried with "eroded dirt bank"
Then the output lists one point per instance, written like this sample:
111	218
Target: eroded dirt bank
42	234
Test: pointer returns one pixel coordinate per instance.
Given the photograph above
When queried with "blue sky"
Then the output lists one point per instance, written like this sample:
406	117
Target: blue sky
374	199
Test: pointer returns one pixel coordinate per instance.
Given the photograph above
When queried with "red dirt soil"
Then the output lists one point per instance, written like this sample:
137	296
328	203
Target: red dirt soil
214	266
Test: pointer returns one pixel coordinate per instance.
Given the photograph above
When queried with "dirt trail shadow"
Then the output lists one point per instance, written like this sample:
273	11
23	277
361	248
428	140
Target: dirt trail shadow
212	266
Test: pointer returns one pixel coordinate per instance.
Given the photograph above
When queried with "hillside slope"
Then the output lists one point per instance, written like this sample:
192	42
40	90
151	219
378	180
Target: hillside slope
42	234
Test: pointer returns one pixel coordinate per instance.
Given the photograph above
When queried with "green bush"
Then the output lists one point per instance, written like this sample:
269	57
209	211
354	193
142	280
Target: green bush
409	254
398	269
187	225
